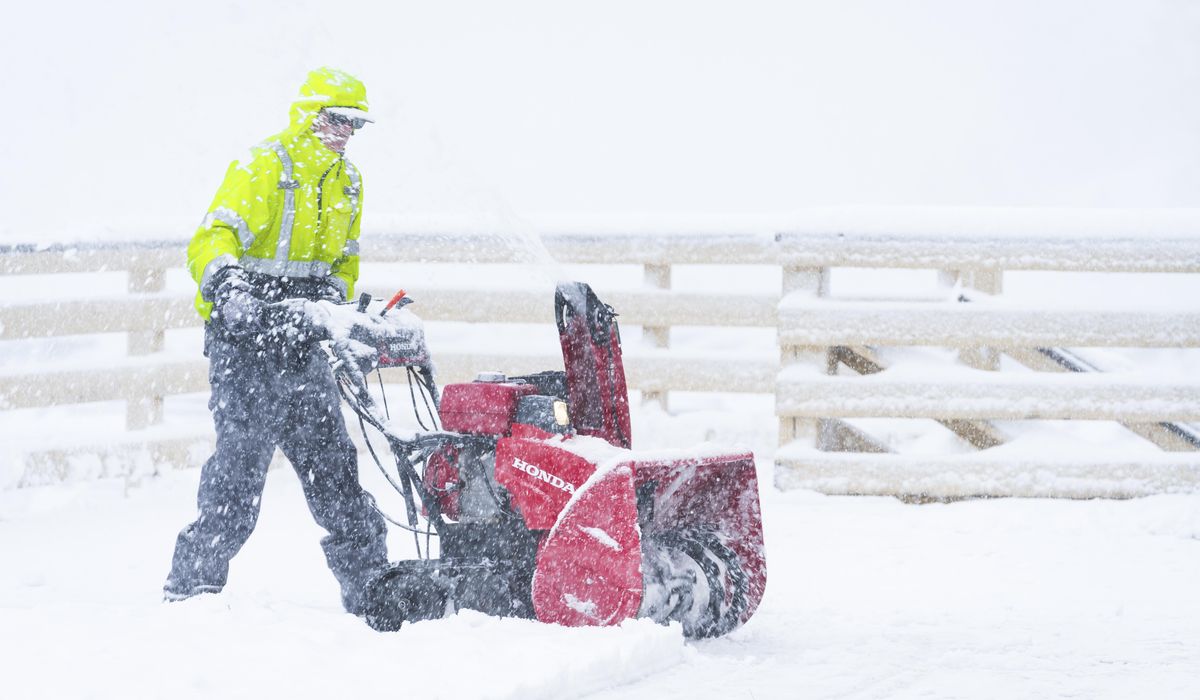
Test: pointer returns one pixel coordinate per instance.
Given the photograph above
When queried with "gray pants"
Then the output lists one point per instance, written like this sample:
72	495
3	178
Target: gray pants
261	400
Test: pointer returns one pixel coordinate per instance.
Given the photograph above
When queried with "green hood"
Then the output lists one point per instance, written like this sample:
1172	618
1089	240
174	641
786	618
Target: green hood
327	87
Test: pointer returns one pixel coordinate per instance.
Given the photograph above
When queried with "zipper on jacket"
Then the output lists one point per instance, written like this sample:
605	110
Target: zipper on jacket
321	194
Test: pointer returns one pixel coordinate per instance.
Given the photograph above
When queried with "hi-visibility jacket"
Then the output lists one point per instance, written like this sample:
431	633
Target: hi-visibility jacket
293	208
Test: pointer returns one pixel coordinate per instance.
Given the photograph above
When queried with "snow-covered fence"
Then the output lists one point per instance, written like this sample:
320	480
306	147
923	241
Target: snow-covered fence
147	376
819	336
147	312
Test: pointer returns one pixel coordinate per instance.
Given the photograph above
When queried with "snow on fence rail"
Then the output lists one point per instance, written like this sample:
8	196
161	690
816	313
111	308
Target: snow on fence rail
817	335
820	336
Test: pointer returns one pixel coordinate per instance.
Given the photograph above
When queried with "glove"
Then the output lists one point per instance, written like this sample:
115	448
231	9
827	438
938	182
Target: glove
285	330
358	342
235	308
357	360
357	339
296	322
331	292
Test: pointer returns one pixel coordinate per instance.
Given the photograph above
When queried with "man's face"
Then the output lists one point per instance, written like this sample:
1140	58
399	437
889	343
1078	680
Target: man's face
334	130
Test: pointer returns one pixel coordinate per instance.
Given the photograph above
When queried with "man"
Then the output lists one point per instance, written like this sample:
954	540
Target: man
284	225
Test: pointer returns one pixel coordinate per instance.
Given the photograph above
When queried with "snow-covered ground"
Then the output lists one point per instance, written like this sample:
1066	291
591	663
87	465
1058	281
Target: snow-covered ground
866	598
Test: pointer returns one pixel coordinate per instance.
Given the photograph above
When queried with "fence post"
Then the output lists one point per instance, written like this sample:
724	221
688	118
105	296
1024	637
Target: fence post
143	409
988	281
656	276
814	281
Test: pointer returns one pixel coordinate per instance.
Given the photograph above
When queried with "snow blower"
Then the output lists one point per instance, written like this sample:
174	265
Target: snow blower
541	507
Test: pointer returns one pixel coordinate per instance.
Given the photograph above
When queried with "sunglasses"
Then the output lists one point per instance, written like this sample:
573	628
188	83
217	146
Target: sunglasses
343	120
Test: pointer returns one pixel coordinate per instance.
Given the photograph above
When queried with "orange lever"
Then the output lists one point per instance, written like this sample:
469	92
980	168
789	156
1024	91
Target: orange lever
395	300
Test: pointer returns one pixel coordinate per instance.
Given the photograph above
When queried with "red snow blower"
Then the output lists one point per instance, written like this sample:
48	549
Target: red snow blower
541	507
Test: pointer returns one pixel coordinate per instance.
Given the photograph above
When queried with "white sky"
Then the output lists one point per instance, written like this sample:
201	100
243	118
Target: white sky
700	108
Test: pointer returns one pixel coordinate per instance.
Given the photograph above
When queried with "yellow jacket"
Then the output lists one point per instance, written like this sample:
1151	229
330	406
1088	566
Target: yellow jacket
294	208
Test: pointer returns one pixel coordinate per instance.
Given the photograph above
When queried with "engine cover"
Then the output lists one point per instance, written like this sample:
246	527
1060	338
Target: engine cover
482	408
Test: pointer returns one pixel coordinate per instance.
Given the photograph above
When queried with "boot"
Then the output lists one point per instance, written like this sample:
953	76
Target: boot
172	594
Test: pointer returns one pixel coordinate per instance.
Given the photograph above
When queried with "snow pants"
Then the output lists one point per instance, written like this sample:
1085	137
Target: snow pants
262	400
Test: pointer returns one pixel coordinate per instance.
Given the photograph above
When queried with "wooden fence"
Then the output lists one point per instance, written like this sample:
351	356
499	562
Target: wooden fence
831	371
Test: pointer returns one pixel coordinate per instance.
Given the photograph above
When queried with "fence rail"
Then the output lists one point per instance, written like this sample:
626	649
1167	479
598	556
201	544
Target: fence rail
990	396
969	325
154	313
825	343
1160	252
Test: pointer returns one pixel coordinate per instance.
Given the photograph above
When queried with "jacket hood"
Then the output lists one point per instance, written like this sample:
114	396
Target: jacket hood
327	87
